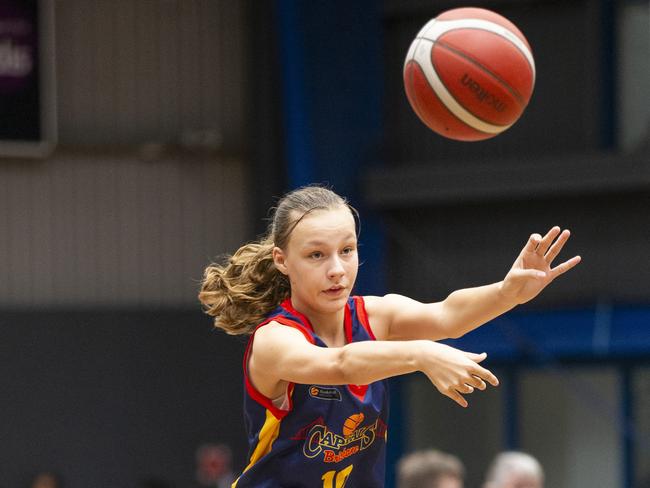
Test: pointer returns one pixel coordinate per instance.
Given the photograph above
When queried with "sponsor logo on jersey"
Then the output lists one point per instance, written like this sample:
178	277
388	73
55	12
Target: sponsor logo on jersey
324	393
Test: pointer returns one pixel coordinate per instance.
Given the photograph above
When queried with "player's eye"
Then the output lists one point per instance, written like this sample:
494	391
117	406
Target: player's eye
316	255
348	250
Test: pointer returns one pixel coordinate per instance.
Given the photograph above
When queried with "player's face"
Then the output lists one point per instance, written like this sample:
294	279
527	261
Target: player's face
321	260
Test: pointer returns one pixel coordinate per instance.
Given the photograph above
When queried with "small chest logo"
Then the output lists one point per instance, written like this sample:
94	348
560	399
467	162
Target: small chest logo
324	393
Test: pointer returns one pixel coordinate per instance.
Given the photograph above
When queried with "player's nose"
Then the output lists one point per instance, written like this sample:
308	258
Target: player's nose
335	268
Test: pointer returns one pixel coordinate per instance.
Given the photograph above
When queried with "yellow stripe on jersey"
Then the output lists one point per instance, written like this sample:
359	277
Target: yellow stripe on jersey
267	436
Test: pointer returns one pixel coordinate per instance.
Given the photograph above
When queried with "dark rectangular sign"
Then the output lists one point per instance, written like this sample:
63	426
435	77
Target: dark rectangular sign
27	94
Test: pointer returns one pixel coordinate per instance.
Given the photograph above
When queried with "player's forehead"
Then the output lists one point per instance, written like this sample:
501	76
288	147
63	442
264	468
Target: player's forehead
324	226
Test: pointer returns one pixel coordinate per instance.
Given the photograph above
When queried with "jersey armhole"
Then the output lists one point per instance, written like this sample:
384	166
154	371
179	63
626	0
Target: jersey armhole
263	400
363	316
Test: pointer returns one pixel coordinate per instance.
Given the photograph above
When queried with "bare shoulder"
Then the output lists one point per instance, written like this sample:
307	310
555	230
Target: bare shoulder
386	304
385	311
272	338
379	310
269	343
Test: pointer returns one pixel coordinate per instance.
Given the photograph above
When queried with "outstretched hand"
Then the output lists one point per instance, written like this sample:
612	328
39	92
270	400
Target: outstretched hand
454	372
532	272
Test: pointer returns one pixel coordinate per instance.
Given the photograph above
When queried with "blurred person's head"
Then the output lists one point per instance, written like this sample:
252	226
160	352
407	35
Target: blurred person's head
514	470
46	480
430	469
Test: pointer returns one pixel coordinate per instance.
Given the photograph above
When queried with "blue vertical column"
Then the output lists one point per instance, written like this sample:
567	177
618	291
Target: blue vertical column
301	165
332	72
331	60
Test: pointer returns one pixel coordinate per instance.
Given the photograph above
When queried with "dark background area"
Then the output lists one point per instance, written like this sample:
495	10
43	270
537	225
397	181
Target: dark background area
109	398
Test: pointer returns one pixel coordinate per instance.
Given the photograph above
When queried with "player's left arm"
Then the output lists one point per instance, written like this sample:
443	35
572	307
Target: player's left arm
396	317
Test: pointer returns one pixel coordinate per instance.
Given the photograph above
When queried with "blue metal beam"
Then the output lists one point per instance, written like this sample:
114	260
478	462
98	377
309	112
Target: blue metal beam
601	333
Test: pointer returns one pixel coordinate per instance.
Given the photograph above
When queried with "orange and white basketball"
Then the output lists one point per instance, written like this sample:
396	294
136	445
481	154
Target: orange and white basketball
469	74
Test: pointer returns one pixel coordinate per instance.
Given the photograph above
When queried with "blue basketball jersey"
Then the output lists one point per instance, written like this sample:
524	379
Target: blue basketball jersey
328	436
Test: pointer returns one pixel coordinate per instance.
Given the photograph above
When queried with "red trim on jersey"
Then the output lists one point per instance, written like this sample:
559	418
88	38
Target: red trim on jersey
265	401
363	316
347	324
288	306
358	391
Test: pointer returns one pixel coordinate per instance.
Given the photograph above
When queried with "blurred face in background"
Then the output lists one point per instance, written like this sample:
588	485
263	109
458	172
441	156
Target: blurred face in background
45	480
522	481
448	481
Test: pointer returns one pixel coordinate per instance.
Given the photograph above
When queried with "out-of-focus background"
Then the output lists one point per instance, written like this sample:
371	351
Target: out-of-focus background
143	138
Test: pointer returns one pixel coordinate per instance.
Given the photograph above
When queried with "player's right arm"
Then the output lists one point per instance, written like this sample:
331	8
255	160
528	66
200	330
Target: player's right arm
281	354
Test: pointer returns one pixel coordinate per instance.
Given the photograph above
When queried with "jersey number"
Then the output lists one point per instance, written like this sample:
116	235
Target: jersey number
332	479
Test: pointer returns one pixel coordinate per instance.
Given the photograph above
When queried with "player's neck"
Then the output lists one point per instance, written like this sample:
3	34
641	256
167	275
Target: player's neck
332	332
328	326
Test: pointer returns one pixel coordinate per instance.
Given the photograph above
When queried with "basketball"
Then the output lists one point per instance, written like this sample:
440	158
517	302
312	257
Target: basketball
469	74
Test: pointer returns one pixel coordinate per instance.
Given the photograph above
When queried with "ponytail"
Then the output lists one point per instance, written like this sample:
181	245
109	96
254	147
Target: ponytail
242	292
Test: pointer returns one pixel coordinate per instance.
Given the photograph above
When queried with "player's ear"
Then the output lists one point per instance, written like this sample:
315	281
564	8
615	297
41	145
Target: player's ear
278	259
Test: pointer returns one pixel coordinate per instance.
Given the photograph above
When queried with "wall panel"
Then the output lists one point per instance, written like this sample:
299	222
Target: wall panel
115	230
133	71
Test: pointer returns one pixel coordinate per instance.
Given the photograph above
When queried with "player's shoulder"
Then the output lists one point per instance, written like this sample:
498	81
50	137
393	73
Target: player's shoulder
383	304
380	311
279	334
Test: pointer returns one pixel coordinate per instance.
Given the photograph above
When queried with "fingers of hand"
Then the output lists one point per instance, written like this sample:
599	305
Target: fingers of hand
477	375
465	389
532	243
457	397
565	266
547	240
468	383
557	246
486	375
451	392
478	383
456	392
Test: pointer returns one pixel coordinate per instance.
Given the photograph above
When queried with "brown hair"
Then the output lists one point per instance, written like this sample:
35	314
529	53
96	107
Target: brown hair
424	469
240	293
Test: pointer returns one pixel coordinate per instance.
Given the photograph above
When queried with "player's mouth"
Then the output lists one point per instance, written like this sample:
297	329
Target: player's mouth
335	290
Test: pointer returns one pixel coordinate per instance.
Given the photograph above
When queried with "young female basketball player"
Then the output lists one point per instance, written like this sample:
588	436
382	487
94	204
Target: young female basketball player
315	403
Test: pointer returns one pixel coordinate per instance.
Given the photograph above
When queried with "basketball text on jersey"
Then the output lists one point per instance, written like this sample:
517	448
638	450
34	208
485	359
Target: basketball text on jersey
336	446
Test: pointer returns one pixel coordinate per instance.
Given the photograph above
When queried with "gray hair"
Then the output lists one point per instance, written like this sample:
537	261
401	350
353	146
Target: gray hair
511	463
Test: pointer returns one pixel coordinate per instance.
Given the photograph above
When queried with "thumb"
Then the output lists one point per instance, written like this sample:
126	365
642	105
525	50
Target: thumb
477	358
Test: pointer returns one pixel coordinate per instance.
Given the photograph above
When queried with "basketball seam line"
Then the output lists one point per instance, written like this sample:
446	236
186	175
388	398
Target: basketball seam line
449	111
526	52
418	111
463	122
514	92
